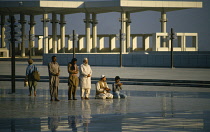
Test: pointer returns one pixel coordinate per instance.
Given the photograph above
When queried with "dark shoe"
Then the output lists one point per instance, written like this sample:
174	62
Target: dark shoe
74	99
51	99
82	98
69	99
57	100
87	98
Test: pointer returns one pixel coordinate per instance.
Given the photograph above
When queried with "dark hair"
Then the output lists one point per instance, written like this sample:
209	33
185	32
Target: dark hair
117	77
74	59
72	63
53	56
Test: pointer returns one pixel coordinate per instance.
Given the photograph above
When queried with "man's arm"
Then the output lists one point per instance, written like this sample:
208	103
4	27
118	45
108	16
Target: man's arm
71	71
83	72
98	89
51	70
90	71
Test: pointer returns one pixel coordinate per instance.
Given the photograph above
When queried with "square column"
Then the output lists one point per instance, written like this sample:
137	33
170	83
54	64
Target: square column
145	40
70	44
101	43
80	43
156	42
134	43
112	43
50	43
195	42
40	42
59	43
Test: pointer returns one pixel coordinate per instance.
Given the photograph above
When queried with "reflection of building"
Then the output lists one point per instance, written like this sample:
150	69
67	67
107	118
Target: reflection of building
56	43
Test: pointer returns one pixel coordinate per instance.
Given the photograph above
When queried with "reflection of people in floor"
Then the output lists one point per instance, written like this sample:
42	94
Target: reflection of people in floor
53	123
120	106
116	88
86	114
102	89
72	121
104	106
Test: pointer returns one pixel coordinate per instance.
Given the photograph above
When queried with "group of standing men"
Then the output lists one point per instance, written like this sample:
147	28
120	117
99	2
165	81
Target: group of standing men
73	80
85	73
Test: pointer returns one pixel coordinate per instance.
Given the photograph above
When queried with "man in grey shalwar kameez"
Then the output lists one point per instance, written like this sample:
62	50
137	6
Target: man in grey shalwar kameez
54	72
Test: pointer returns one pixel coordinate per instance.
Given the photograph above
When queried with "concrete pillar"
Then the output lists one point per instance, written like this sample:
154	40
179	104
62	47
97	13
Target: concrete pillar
155	42
50	43
40	42
123	30
128	32
145	43
163	21
54	32
180	41
101	43
19	46
91	44
94	32
32	31
59	43
80	43
45	33
134	43
3	44
112	43
87	31
70	44
195	42
23	22
62	32
183	43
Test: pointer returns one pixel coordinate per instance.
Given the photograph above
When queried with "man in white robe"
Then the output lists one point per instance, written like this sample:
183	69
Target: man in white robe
85	79
102	89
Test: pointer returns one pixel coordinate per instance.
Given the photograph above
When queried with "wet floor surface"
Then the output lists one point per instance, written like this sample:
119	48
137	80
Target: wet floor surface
163	100
147	108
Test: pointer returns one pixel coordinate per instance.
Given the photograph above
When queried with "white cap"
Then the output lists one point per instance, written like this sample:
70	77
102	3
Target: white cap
85	59
102	76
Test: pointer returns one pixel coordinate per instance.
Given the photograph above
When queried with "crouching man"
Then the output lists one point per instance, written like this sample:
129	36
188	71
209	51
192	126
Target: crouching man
102	89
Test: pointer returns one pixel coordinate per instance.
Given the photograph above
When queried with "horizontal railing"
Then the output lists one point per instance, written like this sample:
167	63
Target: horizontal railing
126	81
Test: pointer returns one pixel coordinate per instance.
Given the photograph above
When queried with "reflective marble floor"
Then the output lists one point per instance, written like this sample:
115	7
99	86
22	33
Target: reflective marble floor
147	108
